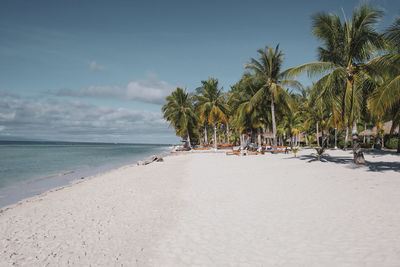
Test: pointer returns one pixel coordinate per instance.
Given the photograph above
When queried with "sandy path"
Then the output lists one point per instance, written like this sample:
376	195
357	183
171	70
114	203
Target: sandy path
215	210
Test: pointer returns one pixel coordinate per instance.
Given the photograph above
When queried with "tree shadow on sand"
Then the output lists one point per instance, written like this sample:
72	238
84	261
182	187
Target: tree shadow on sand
375	166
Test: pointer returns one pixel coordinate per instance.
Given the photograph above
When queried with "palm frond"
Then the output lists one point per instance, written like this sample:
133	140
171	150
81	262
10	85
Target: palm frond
312	69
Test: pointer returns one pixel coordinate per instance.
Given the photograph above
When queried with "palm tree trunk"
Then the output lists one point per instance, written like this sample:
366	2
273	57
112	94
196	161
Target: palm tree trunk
335	138
346	138
264	137
357	152
215	136
201	139
317	135
378	144
305	137
188	139
283	139
398	141
323	138
273	124
327	138
205	135
259	137
365	130
227	131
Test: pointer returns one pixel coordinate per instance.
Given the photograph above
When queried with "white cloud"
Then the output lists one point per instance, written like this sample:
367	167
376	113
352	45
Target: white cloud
149	90
94	66
77	121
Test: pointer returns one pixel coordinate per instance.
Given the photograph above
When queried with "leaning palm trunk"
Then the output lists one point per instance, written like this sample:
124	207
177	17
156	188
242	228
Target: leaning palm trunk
317	135
357	152
273	124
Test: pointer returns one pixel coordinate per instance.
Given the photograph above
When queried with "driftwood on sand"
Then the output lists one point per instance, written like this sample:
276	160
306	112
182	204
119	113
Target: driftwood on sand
150	160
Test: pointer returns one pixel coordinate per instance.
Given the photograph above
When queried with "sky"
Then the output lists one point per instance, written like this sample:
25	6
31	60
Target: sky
100	70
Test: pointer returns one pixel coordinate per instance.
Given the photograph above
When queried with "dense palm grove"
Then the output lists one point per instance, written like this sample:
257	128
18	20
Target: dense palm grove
357	88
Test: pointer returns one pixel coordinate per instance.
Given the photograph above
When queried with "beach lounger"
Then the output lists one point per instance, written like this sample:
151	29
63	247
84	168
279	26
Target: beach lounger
234	152
202	148
224	146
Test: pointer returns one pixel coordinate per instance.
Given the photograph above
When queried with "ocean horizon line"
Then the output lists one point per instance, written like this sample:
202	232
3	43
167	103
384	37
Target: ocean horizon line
80	142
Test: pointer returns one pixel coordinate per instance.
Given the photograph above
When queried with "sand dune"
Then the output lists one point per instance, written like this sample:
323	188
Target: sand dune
208	209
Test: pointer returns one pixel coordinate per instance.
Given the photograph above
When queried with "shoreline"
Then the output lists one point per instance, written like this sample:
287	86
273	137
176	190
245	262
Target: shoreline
11	195
61	187
164	154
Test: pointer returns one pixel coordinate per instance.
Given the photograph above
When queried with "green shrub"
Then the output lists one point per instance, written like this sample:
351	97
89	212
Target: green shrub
392	143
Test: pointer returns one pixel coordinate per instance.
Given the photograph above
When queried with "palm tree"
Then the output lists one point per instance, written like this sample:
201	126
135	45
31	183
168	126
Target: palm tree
291	122
268	68
347	46
179	112
386	96
212	105
248	116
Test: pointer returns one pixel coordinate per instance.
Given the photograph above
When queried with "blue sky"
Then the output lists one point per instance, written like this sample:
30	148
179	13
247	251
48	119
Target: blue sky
99	70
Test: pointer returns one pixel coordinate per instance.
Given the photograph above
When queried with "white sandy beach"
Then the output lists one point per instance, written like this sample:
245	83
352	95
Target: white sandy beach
209	209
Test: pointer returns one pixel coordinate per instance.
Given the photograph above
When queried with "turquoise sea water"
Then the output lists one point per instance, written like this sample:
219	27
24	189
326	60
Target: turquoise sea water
29	168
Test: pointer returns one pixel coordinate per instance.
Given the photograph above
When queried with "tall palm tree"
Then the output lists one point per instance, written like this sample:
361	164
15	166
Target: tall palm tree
179	112
347	46
386	97
213	107
268	68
